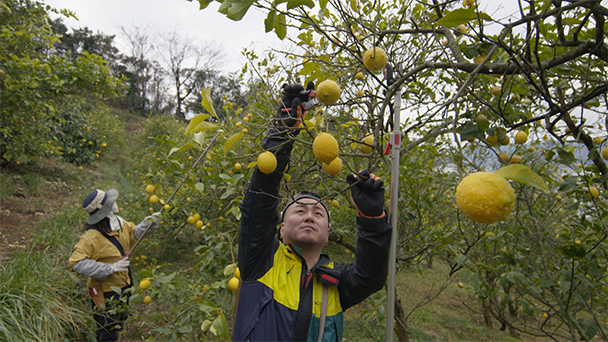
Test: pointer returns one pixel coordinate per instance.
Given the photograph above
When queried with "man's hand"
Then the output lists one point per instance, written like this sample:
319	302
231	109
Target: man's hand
367	192
294	104
121	265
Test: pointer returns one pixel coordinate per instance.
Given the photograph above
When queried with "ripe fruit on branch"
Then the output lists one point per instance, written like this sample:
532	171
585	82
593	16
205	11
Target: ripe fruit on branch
328	92
496	90
515	159
154	199
325	148
147	300
145	284
593	192
374	59
360	76
605	152
368	141
503	157
521	137
191	220
334	167
485	197
233	284
460	30
267	162
335	203
150	189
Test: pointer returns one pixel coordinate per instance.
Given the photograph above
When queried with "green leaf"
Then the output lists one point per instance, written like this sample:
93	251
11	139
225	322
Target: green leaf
572	251
280	26
219	327
206	101
234	138
297	3
308	68
270	20
588	326
235	9
195	121
187	146
202	4
461	16
522	174
568	183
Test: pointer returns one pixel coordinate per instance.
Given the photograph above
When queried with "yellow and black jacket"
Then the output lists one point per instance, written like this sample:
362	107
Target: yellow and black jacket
280	299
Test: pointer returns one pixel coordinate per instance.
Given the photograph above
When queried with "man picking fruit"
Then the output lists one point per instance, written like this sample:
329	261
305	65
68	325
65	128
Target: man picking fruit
290	290
99	256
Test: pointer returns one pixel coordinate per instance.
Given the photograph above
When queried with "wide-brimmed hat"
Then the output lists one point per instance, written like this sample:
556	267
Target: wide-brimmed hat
98	204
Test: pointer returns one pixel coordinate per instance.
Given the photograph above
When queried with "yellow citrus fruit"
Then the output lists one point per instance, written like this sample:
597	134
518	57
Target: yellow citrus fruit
468	3
233	284
493	140
531	149
368	140
360	76
334	167
335	203
237	273
328	92
504	141
605	152
238	166
191	220
80	168
197	216
267	162
521	137
150	189
325	148
287	177
485	197
460	284
481	118
375	59
598	140
503	157
147	300
478	59
188	199
460	30
515	159
153	199
497	90
199	224
167	207
246	119
360	93
104	145
145	284
594	192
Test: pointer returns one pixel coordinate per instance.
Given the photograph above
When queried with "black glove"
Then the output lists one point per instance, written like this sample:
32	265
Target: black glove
368	193
293	106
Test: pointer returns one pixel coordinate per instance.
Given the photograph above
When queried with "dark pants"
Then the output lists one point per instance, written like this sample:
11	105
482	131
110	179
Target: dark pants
111	321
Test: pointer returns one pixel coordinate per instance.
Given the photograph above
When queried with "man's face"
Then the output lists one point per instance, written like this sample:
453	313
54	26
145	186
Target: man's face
305	224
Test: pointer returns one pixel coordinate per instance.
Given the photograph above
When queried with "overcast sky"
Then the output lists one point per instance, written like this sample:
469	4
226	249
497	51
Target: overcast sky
159	16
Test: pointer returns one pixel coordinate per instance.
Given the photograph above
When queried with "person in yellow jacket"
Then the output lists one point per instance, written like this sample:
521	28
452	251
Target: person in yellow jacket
99	255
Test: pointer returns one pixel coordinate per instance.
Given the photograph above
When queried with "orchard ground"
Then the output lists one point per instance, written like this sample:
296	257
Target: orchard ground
35	194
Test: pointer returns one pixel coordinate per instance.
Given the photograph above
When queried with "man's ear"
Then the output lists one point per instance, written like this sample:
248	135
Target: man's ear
281	230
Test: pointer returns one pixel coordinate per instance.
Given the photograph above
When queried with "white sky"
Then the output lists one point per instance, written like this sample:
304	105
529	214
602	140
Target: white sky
159	16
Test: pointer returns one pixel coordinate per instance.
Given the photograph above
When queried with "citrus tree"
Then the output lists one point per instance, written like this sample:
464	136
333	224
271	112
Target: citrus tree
471	81
35	83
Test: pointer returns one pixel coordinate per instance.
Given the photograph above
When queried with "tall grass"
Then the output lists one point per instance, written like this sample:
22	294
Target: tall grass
39	298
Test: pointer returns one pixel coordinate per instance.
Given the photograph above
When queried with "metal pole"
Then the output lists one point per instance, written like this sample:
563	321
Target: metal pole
395	141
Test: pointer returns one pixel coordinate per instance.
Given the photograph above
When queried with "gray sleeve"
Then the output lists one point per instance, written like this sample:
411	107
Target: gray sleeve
93	269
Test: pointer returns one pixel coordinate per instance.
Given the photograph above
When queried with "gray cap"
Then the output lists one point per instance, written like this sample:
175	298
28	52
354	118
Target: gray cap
305	194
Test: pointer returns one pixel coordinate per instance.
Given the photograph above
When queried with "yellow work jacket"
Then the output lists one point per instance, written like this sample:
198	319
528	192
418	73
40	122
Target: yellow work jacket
94	246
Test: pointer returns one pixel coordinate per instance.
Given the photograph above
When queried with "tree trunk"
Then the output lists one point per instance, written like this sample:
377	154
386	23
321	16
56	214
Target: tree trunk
400	323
